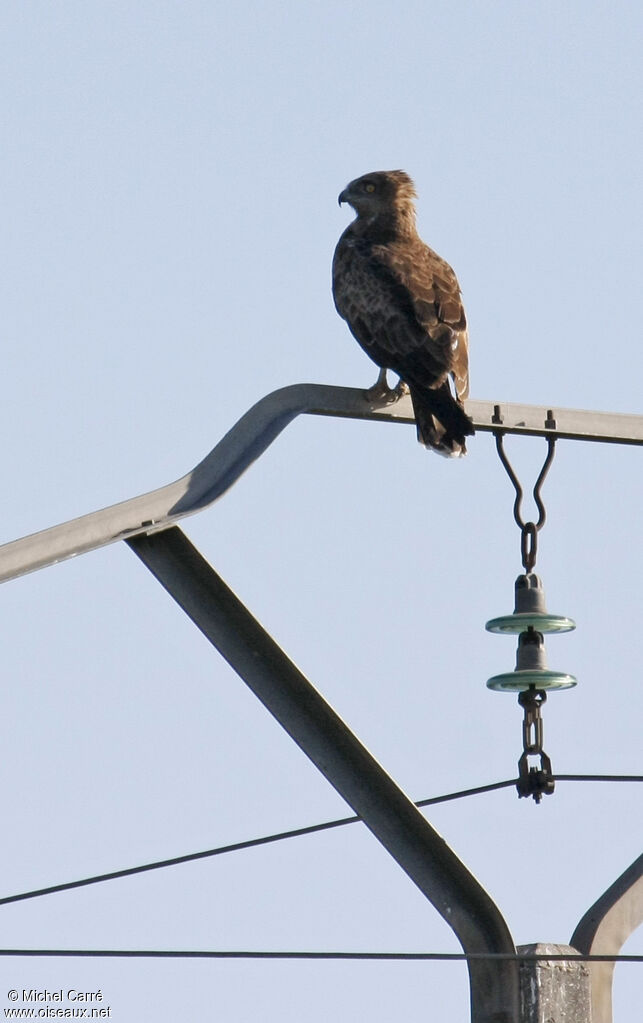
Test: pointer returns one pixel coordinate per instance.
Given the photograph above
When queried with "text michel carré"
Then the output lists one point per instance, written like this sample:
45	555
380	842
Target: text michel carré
71	995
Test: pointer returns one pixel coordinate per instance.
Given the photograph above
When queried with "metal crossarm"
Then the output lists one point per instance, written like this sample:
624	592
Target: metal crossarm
347	765
253	434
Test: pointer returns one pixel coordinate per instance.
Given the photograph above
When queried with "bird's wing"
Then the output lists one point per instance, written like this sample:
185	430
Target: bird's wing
434	294
371	301
402	303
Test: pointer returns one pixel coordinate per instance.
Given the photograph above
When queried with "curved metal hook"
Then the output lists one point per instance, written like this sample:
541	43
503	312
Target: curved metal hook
542	514
529	530
551	451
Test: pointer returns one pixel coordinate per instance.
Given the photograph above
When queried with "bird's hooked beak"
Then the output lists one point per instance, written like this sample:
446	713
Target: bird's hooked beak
342	197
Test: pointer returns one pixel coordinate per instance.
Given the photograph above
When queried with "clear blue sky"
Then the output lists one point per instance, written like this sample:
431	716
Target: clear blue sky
169	177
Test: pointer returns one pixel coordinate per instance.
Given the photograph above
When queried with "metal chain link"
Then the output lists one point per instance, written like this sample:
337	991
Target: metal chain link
533	781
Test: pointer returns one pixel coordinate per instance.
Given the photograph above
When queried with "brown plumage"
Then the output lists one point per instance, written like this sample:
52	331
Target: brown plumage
402	303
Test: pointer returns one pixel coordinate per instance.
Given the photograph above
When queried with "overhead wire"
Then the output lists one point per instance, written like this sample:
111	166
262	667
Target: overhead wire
599	777
281	836
128	953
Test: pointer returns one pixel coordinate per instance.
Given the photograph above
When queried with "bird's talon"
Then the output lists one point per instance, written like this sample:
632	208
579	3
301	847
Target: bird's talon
381	395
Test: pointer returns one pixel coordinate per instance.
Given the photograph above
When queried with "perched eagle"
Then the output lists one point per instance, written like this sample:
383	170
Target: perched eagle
402	303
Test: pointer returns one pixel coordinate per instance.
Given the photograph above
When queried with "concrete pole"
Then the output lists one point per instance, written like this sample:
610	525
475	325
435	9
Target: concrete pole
554	992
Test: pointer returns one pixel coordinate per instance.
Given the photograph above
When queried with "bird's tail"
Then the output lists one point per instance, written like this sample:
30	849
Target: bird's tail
442	424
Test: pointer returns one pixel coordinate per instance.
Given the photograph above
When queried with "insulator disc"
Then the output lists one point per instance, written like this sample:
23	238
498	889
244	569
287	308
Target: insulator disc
518	681
515	623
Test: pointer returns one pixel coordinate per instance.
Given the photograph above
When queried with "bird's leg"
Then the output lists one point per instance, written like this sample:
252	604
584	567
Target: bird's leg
380	391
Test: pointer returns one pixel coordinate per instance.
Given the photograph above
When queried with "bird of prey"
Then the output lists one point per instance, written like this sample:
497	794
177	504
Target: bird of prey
402	303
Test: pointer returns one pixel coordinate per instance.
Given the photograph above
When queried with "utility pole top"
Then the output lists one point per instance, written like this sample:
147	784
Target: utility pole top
528	987
554	992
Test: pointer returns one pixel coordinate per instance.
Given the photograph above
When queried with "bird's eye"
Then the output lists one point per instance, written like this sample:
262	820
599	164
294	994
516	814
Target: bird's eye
369	187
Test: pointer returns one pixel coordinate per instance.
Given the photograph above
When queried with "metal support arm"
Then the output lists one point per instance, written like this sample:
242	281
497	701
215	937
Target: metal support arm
253	434
604	930
347	765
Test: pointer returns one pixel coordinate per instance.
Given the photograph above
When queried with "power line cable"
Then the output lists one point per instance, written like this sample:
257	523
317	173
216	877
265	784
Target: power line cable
126	953
599	777
282	835
234	847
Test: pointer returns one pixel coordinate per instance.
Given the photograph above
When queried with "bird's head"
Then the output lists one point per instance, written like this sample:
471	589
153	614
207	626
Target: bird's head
381	191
